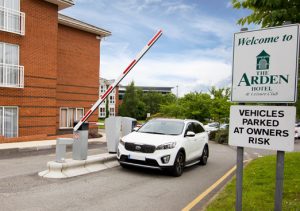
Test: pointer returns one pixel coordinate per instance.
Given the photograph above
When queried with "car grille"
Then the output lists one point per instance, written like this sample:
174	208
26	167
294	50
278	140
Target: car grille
147	162
140	148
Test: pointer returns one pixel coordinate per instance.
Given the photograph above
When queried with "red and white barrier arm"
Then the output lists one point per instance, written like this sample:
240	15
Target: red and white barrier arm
124	73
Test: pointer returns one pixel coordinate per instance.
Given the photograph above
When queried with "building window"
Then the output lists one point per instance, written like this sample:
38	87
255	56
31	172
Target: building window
11	74
111	111
102	113
69	115
11	19
102	90
9	121
111	99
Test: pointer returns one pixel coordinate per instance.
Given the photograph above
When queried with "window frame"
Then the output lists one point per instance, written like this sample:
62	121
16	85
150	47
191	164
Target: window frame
114	111
102	89
112	99
5	5
3	120
10	10
9	65
4	53
103	112
68	113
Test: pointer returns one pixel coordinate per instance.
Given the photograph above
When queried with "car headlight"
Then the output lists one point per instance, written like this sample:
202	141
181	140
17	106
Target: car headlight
169	145
122	142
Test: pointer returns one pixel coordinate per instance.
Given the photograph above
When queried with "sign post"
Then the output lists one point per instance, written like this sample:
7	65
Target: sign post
239	178
265	70
279	180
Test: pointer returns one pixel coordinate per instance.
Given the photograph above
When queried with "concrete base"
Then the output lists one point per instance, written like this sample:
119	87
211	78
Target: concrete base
72	168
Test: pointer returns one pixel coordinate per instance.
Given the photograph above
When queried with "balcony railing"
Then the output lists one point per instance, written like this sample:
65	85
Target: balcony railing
12	21
11	76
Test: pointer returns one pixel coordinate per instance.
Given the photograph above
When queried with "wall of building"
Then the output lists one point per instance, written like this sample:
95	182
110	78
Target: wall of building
78	71
38	55
61	69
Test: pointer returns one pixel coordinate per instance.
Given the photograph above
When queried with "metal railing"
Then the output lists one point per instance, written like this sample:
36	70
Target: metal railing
12	21
11	76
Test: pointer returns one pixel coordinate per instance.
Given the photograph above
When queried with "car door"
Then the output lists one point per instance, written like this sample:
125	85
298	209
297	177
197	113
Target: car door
200	139
189	143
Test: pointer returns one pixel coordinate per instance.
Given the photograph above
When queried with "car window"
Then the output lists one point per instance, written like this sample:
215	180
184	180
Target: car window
198	128
190	127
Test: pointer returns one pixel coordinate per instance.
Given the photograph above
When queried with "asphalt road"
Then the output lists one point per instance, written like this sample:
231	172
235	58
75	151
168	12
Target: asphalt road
113	189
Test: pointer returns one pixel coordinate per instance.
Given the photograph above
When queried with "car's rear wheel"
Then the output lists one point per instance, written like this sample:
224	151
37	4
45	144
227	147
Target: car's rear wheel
178	165
204	156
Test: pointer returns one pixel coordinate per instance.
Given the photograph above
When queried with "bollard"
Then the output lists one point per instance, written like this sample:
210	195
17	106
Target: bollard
61	147
127	125
80	145
113	132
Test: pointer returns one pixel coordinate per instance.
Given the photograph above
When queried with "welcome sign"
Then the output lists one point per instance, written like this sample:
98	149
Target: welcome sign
265	65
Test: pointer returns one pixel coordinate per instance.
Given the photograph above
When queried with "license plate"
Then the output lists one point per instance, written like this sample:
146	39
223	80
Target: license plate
137	157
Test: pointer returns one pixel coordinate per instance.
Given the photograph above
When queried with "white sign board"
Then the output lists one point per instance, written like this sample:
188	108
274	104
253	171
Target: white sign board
265	65
263	127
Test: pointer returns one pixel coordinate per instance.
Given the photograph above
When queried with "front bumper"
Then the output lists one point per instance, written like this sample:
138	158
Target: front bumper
148	163
149	160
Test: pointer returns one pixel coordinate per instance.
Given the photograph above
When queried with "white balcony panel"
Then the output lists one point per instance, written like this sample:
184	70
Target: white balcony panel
12	21
11	76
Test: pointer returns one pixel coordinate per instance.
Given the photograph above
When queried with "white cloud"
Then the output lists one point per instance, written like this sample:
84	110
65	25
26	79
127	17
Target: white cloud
179	8
194	52
186	72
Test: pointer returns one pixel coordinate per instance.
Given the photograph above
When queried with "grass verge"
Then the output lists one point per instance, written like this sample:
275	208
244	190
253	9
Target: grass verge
101	126
259	186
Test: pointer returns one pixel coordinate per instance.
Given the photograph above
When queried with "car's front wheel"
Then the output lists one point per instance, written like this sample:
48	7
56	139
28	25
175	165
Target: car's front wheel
178	166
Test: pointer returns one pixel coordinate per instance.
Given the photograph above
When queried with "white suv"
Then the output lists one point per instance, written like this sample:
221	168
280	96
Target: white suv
165	144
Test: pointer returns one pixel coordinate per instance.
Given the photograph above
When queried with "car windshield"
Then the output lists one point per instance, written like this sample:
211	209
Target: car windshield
165	127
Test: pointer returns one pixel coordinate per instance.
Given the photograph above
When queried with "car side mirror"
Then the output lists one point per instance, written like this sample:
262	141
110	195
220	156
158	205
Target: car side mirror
190	134
135	129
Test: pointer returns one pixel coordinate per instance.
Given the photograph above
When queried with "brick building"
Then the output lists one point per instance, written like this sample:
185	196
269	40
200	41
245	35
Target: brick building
49	71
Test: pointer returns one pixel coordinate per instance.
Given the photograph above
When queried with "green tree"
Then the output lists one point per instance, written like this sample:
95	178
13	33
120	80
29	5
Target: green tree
196	106
168	98
153	101
106	108
132	105
220	106
269	12
191	106
172	110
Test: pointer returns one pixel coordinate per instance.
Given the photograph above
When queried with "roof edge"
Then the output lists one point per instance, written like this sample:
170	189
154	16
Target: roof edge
62	4
71	22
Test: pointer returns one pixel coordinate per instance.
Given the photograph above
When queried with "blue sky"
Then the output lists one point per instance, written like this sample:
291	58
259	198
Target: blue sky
194	52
